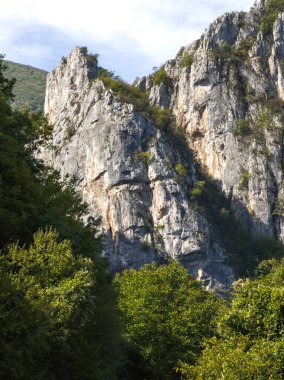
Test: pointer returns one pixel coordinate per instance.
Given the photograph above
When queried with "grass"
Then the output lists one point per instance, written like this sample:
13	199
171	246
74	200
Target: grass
29	89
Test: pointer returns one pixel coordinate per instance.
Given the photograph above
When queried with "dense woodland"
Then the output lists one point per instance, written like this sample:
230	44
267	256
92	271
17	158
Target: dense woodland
64	317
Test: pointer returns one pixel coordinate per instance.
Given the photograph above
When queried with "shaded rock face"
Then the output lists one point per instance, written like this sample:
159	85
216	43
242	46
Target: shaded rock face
126	172
229	103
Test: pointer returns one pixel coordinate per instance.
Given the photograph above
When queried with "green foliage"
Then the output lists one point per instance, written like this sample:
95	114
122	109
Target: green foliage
161	77
224	51
180	169
84	50
145	246
29	89
126	93
144	157
64	60
51	296
70	131
197	188
269	248
166	315
57	296
242	128
279	206
282	65
272	8
249	342
234	53
244	178
238	360
180	52
6	82
187	59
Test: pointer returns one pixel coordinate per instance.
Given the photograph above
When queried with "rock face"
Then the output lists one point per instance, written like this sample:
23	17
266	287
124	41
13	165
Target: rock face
226	91
229	102
126	171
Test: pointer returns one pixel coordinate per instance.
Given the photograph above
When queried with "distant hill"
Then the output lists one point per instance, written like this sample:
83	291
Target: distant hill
29	89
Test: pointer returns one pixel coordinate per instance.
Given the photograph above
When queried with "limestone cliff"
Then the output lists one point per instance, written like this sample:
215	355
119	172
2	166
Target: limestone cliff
127	173
227	92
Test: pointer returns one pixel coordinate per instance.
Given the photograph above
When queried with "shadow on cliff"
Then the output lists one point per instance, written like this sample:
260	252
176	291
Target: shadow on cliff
236	229
229	218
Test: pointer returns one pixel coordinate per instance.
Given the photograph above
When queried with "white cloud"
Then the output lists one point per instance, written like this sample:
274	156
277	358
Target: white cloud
153	29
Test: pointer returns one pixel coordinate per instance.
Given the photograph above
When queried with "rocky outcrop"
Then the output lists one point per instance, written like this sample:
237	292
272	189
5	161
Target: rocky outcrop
227	93
127	172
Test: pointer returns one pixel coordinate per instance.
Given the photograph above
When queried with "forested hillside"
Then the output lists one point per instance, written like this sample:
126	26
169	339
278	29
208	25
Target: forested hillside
29	88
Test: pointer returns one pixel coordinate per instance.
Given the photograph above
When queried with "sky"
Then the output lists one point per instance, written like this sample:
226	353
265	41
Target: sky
130	36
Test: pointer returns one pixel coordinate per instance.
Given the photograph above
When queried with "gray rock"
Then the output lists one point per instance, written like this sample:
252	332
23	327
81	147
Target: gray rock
211	97
125	171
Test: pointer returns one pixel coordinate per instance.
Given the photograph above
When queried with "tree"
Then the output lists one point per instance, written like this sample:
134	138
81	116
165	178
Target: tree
57	312
54	298
49	312
166	315
250	340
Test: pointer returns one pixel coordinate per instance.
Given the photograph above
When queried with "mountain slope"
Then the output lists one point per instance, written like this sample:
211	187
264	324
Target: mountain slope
29	89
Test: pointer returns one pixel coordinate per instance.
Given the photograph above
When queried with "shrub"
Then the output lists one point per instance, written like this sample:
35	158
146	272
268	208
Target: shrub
144	157
244	178
161	117
279	206
180	170
282	65
145	246
161	77
198	188
272	8
242	128
180	52
187	59
70	131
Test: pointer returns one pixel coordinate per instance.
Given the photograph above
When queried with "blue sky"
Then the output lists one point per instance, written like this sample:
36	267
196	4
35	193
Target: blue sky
130	36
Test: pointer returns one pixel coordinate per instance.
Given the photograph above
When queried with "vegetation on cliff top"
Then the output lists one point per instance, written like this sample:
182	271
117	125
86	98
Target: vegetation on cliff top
130	94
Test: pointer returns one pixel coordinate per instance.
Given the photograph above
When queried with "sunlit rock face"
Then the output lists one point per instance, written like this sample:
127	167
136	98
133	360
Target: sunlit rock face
229	102
226	92
125	170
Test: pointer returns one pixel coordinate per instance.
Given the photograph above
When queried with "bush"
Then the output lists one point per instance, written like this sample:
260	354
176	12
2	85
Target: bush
244	179
180	170
161	77
272	8
162	118
242	128
197	188
187	59
144	157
